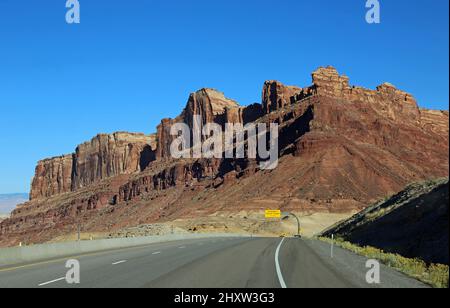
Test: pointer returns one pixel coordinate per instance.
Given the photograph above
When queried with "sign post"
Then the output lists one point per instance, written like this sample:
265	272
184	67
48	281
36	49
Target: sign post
277	214
332	246
287	214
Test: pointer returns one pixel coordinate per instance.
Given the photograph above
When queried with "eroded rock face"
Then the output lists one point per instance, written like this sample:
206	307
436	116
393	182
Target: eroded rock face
243	115
386	100
102	157
109	155
182	174
276	95
212	106
435	121
341	148
52	176
234	115
164	138
328	82
400	104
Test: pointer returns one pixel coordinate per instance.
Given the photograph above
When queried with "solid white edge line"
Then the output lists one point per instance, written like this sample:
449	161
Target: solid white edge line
119	262
49	282
278	267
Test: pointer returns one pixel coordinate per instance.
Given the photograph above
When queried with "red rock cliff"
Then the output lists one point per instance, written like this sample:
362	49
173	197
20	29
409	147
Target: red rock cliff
341	148
52	176
212	106
276	95
102	157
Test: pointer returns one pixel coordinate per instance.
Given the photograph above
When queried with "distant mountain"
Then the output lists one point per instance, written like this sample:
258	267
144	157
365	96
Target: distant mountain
8	202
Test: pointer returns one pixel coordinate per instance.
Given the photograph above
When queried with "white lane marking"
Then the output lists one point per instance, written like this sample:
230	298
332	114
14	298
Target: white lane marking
156	253
49	282
119	262
278	267
182	247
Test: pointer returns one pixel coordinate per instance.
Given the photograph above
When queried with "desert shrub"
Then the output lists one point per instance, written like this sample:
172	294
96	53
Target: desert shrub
435	275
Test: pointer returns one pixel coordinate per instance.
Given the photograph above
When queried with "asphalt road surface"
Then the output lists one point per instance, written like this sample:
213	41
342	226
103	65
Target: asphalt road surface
211	263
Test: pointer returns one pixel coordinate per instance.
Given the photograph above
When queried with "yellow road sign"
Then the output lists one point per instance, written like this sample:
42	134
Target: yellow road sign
273	214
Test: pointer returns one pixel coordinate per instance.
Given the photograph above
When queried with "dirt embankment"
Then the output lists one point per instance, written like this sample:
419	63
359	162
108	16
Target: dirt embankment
413	223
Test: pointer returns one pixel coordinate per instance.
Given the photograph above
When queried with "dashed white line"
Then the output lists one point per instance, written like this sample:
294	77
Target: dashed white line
156	253
278	267
119	262
53	281
182	247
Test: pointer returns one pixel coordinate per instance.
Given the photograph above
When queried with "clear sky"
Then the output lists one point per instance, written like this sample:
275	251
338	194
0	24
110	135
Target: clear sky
131	63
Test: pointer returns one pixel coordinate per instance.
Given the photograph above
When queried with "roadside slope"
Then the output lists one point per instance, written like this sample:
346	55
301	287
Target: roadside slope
413	223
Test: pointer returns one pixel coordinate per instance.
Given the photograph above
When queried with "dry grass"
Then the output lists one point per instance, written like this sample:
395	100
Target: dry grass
83	236
435	275
254	222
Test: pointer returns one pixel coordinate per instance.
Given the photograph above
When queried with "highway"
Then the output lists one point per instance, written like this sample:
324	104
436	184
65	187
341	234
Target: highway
211	263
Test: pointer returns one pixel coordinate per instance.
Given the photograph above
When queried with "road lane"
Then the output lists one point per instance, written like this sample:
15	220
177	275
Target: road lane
146	267
96	269
302	267
52	281
209	263
249	264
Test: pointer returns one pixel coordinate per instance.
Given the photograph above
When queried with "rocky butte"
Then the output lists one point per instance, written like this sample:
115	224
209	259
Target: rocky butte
103	157
341	147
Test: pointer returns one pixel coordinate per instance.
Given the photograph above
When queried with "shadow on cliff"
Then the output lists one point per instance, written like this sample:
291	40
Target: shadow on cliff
146	157
288	135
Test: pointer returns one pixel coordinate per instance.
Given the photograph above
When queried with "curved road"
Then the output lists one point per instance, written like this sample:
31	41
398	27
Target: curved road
211	263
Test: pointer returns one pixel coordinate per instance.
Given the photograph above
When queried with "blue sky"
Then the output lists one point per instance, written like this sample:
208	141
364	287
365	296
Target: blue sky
131	63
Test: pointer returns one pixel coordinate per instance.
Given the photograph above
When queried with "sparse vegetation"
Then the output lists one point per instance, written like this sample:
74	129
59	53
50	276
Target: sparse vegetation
435	275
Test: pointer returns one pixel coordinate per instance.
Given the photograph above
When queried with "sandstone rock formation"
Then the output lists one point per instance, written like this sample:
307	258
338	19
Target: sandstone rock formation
102	157
243	115
52	176
212	106
341	148
276	95
110	155
328	82
164	138
435	121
